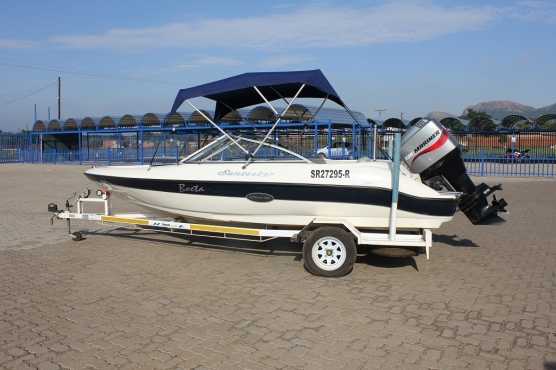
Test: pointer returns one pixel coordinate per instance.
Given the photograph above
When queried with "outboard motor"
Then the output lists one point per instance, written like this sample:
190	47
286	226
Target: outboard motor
429	151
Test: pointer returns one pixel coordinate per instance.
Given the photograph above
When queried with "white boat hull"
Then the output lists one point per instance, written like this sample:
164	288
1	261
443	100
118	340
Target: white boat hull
223	192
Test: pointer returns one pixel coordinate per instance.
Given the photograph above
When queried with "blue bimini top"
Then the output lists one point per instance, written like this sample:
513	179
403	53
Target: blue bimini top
237	92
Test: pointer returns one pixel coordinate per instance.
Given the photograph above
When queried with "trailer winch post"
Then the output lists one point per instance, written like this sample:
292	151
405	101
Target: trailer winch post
395	185
68	220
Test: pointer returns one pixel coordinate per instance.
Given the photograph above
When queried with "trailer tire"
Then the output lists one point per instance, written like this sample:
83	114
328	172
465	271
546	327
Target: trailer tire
329	251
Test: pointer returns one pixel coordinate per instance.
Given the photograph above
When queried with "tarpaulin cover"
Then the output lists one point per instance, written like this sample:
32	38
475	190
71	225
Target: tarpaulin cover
237	92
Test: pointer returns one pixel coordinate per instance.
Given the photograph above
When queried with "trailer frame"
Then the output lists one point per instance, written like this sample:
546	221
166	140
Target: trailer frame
418	238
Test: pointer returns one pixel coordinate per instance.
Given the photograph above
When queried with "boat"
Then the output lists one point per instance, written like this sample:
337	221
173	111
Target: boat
250	180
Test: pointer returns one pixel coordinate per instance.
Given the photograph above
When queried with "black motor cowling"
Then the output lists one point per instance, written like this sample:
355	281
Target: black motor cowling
428	150
474	201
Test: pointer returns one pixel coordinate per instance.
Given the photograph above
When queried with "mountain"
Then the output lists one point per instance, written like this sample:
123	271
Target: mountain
501	108
550	109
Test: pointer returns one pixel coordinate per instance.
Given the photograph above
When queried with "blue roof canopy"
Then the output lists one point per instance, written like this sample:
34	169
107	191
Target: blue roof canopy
237	92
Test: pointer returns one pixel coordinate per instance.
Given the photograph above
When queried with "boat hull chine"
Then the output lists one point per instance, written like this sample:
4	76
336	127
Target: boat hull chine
203	195
275	212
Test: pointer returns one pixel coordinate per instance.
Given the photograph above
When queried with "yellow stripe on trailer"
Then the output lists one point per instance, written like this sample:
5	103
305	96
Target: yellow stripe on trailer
123	220
225	229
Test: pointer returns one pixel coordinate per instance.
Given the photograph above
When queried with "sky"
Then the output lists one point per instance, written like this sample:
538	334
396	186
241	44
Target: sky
410	57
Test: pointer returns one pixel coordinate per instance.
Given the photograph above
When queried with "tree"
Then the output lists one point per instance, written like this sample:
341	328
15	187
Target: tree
453	124
480	121
547	122
522	125
515	121
549	125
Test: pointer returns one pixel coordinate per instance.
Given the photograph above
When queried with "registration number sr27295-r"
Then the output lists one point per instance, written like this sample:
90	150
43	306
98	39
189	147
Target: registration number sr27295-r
330	174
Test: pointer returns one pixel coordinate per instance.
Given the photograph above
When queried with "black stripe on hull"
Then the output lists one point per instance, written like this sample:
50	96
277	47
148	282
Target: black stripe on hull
297	192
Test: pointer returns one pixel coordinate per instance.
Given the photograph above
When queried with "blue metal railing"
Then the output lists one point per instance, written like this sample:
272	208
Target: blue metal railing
529	153
12	147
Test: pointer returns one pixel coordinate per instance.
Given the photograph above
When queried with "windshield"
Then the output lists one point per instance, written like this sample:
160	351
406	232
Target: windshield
224	149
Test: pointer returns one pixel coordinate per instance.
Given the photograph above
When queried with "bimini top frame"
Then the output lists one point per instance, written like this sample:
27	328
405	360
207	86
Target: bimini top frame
255	88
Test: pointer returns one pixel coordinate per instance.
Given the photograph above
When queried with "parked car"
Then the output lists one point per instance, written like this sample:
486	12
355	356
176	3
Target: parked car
339	149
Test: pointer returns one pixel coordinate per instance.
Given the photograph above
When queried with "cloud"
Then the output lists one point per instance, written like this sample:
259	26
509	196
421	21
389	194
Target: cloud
15	44
533	11
210	61
315	27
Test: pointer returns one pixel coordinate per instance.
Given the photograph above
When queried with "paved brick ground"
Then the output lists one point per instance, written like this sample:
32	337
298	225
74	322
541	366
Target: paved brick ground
26	190
485	300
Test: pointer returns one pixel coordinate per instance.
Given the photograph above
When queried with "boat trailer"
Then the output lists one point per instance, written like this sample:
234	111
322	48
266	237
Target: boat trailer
325	241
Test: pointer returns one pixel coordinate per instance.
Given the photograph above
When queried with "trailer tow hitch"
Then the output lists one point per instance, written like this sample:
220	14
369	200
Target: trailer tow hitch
53	208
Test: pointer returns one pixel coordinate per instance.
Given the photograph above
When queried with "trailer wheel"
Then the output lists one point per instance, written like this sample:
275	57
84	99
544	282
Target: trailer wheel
329	251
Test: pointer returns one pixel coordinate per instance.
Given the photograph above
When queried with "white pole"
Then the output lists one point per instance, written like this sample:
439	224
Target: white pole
266	101
395	186
217	127
277	121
